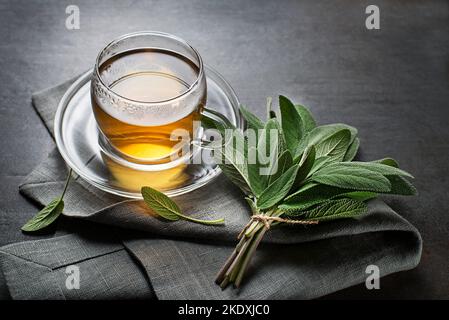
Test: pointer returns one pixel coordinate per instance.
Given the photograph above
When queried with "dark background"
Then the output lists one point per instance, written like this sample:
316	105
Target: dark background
392	84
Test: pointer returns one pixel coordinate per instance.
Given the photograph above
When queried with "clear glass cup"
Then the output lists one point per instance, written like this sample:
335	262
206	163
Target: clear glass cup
146	86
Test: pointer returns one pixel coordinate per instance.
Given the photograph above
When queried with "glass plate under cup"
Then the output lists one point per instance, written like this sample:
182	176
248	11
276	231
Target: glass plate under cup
77	136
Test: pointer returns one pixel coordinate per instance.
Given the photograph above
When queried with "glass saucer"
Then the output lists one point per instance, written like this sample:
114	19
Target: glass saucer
77	137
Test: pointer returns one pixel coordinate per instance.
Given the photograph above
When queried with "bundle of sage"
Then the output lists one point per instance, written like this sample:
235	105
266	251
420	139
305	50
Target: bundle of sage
311	176
291	172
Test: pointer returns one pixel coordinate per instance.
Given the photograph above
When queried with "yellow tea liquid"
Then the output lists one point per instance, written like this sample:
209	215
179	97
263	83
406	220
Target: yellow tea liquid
153	83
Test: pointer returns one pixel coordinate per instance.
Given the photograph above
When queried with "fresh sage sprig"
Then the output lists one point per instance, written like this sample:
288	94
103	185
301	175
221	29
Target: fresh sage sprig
312	179
168	209
49	213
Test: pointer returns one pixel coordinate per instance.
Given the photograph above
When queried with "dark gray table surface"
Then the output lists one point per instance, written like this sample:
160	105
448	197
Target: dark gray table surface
392	84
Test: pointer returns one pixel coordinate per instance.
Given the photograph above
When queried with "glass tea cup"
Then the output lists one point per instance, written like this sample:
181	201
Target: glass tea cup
145	87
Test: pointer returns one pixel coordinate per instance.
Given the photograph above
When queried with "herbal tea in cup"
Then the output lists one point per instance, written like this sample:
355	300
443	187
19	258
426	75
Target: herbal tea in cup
145	86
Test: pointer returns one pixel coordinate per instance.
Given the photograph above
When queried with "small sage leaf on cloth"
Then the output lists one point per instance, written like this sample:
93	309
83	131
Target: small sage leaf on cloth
49	213
45	217
167	208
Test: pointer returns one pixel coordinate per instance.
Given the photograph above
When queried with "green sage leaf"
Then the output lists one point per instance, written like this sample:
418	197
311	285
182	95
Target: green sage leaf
372	166
401	186
46	216
388	161
308	122
233	163
352	150
319	163
352	177
357	195
310	195
49	213
282	164
167	208
320	133
305	165
251	119
276	191
334	146
292	126
332	210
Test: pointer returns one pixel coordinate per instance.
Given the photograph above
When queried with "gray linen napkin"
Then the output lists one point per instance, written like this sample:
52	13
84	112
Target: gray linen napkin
178	260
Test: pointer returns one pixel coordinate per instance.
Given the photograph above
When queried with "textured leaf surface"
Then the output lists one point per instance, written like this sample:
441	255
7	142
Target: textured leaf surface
352	150
334	146
277	191
282	164
46	216
352	178
388	161
372	166
401	186
291	124
305	165
332	210
322	132
167	208
308	122
252	120
161	204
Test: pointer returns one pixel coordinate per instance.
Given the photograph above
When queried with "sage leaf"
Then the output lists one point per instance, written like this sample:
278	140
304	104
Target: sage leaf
355	178
357	195
233	163
310	195
292	127
276	191
234	174
387	161
352	150
334	146
305	165
320	133
401	186
269	147
332	210
318	164
257	181
161	204
252	205
49	213
372	166
46	216
308	123
312	191
282	164
251	119
267	141
167	208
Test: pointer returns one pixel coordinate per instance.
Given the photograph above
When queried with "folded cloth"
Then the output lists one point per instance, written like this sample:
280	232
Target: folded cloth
179	260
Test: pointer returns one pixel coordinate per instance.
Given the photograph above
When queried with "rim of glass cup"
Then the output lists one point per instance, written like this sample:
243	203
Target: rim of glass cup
195	84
